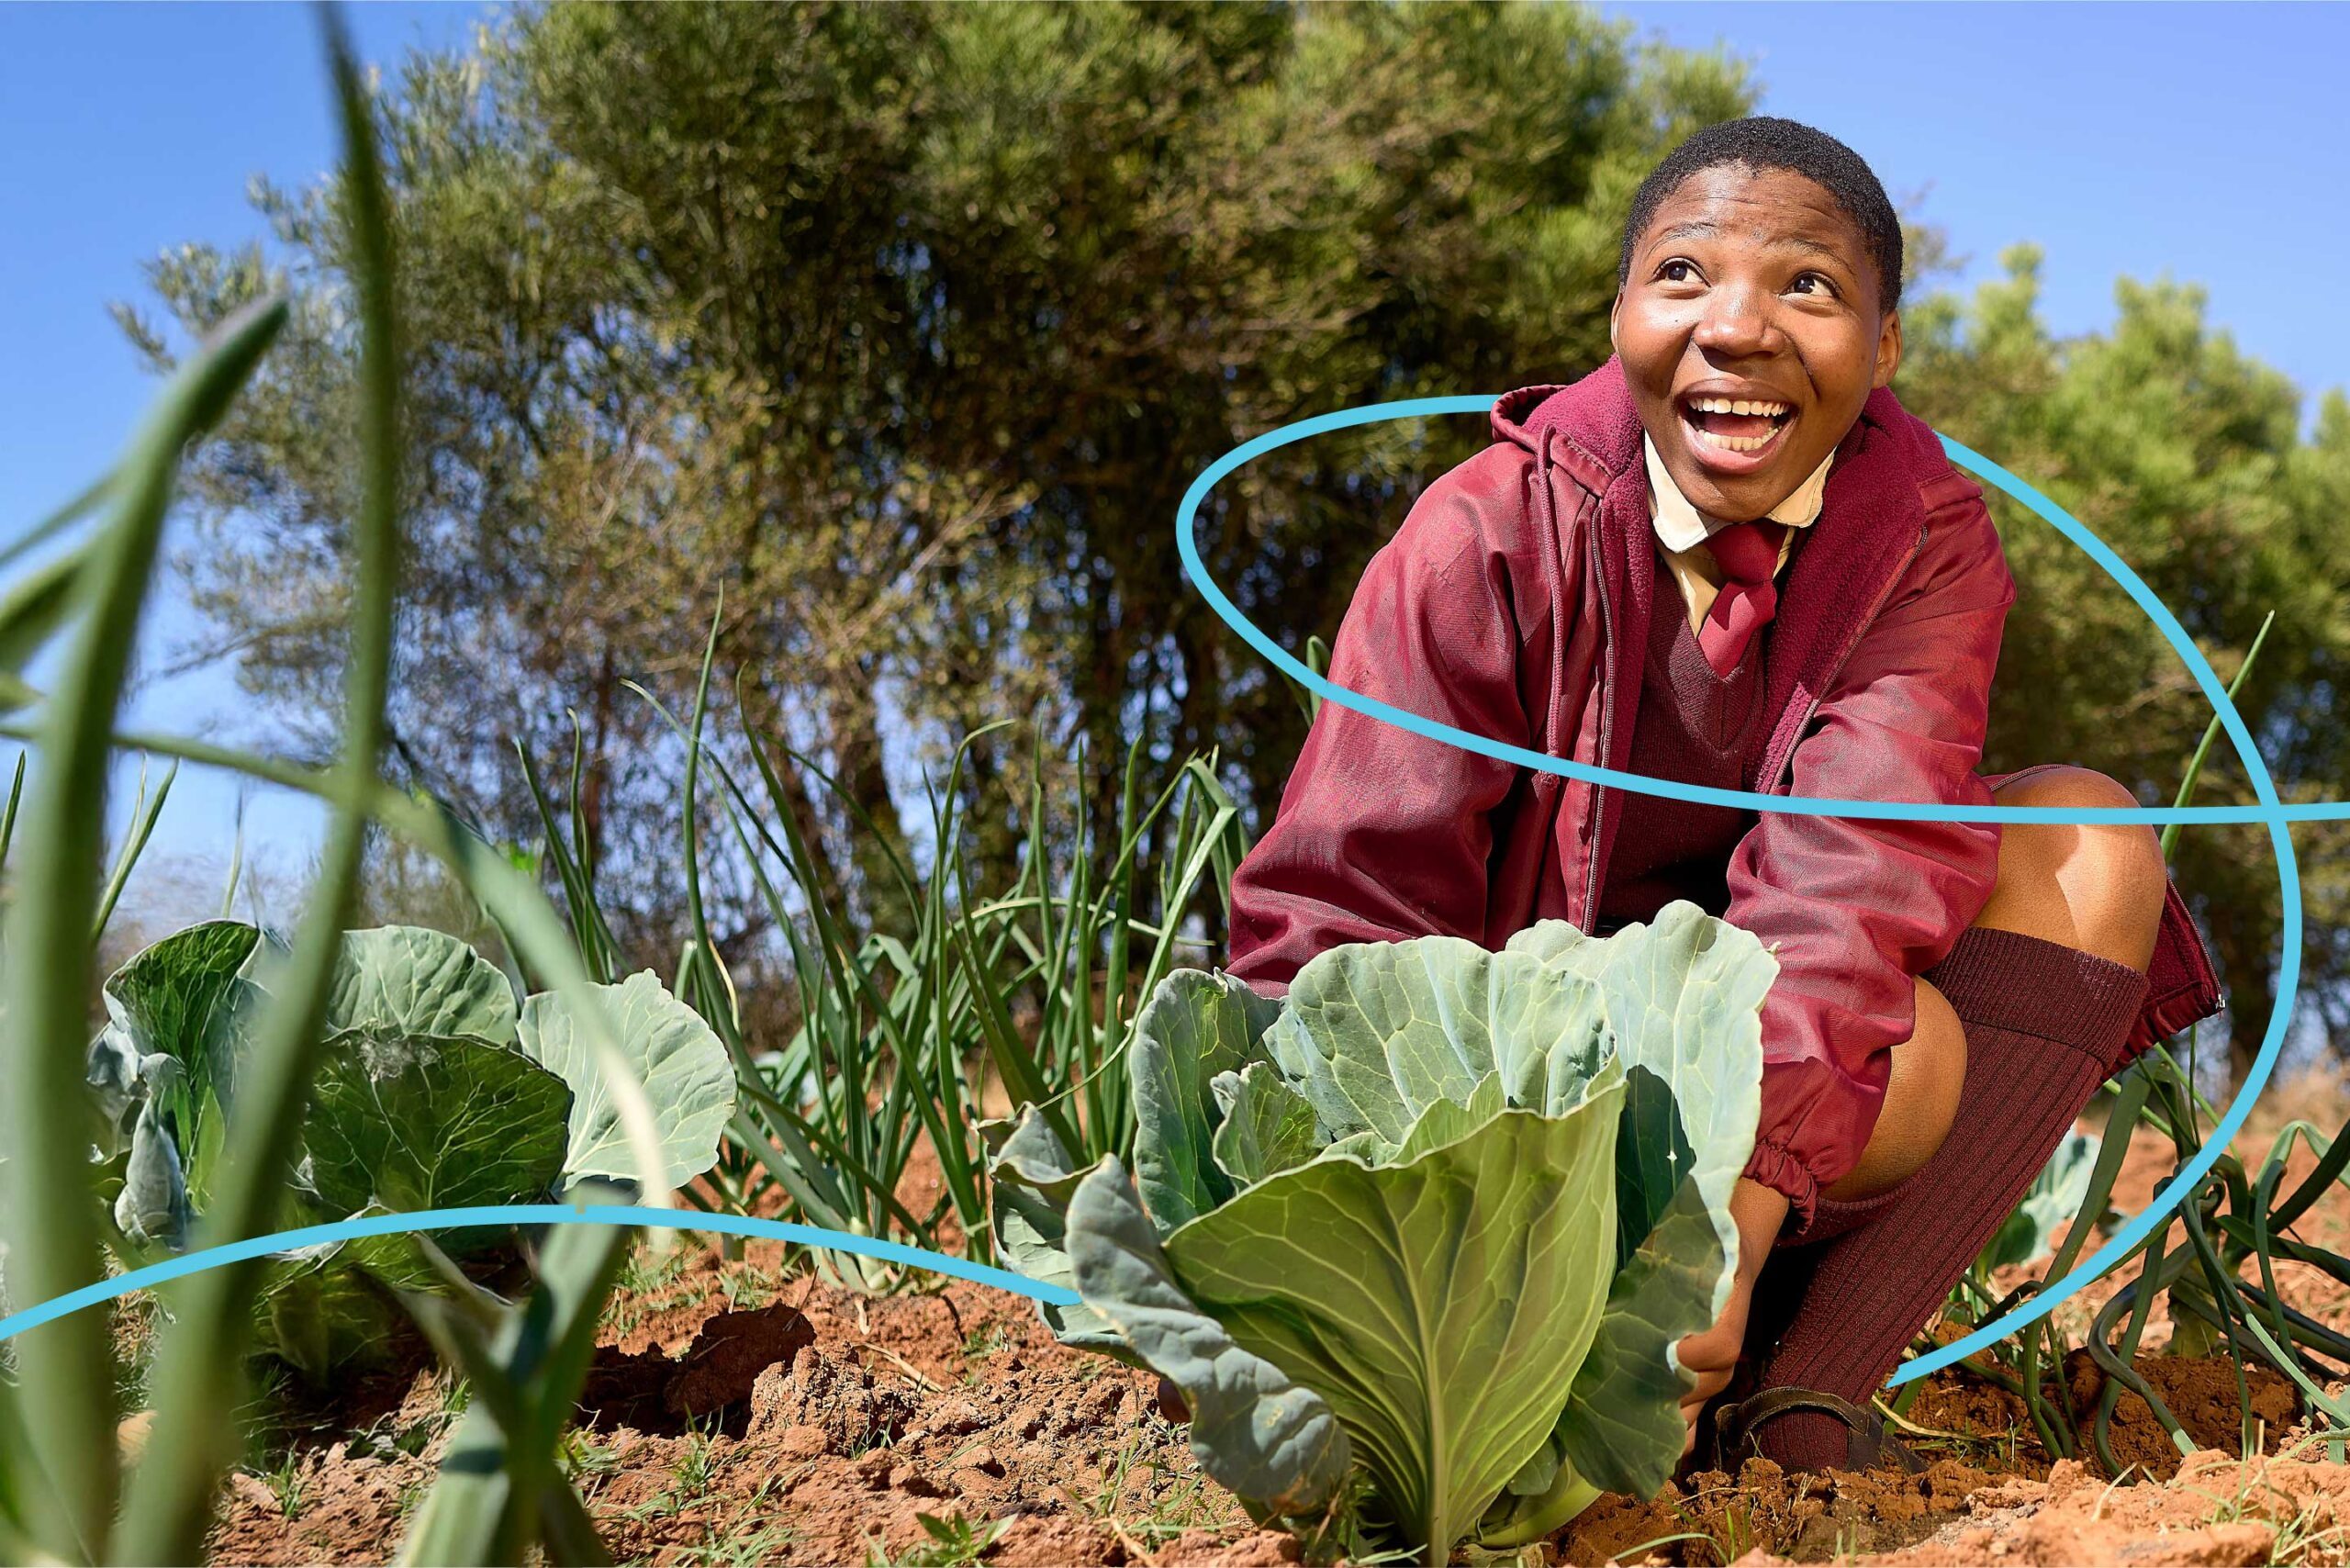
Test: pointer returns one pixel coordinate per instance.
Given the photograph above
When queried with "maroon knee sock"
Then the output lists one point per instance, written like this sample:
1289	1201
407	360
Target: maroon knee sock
2045	1025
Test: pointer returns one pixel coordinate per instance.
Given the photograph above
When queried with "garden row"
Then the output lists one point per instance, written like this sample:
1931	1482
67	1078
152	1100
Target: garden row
1411	1246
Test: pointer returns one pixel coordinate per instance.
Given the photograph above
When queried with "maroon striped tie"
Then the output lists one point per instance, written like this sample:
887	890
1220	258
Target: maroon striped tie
1749	554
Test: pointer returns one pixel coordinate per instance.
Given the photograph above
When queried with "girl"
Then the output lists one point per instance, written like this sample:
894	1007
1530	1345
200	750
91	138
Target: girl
1728	556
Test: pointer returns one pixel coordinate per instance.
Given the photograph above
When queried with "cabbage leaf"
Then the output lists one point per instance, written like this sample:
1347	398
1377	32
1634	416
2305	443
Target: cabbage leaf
677	1057
433	1088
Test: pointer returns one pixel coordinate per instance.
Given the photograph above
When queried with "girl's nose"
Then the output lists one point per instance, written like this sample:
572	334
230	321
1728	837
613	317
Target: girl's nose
1735	319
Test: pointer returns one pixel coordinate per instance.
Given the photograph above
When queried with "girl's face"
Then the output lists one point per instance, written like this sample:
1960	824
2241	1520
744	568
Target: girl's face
1755	288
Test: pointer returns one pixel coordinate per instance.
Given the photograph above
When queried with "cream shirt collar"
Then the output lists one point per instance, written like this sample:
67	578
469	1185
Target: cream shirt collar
1681	526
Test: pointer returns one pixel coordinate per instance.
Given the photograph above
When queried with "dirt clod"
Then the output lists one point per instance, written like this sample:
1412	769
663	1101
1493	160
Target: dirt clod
724	1361
838	1399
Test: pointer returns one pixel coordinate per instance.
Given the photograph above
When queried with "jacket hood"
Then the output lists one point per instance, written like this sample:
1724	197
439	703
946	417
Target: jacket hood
1600	426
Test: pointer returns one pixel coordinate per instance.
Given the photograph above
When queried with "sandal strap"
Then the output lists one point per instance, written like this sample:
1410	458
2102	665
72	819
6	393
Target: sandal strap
1734	1427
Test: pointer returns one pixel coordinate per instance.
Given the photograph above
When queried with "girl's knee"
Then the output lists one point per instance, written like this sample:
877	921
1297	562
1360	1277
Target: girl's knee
1937	1065
2098	887
1920	1100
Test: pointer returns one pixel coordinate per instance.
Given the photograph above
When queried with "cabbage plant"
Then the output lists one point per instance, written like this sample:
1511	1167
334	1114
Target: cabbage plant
1415	1242
435	1089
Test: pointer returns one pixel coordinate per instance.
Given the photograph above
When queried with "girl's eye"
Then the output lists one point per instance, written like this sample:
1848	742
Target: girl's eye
1665	272
1819	278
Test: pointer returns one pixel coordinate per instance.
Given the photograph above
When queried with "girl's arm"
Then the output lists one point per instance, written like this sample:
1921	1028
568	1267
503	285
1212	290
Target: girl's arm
1858	908
1383	834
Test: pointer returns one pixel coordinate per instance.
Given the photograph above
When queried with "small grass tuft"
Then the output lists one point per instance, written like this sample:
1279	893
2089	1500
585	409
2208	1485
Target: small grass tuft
954	1542
733	1544
287	1484
747	1287
696	1465
987	1340
582	1459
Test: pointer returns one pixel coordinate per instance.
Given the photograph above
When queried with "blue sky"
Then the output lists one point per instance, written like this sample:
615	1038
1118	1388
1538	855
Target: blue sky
2126	139
2133	139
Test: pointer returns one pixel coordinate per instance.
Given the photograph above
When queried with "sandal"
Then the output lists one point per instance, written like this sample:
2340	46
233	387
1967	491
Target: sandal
1868	1447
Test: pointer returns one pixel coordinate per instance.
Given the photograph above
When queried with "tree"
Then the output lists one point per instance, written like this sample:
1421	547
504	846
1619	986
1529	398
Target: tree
906	328
2185	457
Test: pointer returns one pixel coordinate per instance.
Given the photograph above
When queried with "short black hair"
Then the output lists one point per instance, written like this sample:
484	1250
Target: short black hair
1766	141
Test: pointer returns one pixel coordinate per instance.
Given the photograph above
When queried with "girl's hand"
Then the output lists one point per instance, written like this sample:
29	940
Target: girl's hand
1759	1212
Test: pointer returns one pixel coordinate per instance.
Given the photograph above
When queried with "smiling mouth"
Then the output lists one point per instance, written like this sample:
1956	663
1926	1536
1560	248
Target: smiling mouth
1740	440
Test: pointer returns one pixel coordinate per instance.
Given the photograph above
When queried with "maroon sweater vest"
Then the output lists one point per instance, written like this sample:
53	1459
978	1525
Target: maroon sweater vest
1694	727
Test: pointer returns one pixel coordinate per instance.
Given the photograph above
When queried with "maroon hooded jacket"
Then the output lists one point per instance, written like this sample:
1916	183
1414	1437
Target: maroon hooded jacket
1514	603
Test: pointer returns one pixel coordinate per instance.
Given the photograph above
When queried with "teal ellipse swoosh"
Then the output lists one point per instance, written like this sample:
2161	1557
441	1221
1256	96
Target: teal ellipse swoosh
171	1269
2270	810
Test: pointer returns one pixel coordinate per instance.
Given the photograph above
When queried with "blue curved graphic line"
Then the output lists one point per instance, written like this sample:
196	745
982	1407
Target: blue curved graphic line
2270	810
2288	970
528	1214
1281	658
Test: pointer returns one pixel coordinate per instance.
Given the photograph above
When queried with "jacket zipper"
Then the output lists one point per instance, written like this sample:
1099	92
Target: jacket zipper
1606	725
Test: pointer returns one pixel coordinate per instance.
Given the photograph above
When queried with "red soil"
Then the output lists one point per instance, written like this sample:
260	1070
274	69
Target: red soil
738	1413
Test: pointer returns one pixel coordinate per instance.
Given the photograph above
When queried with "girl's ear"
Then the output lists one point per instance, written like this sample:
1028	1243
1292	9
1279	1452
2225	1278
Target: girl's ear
1888	349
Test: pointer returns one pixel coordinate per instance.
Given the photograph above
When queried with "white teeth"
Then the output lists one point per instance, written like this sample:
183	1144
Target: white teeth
1734	442
1736	405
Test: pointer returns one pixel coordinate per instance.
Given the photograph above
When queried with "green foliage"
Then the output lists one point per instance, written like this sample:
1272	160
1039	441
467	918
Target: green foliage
63	1506
404	980
502	1491
244	1093
900	1030
422	1123
1494	1195
903	327
199	1362
954	1541
673	1053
